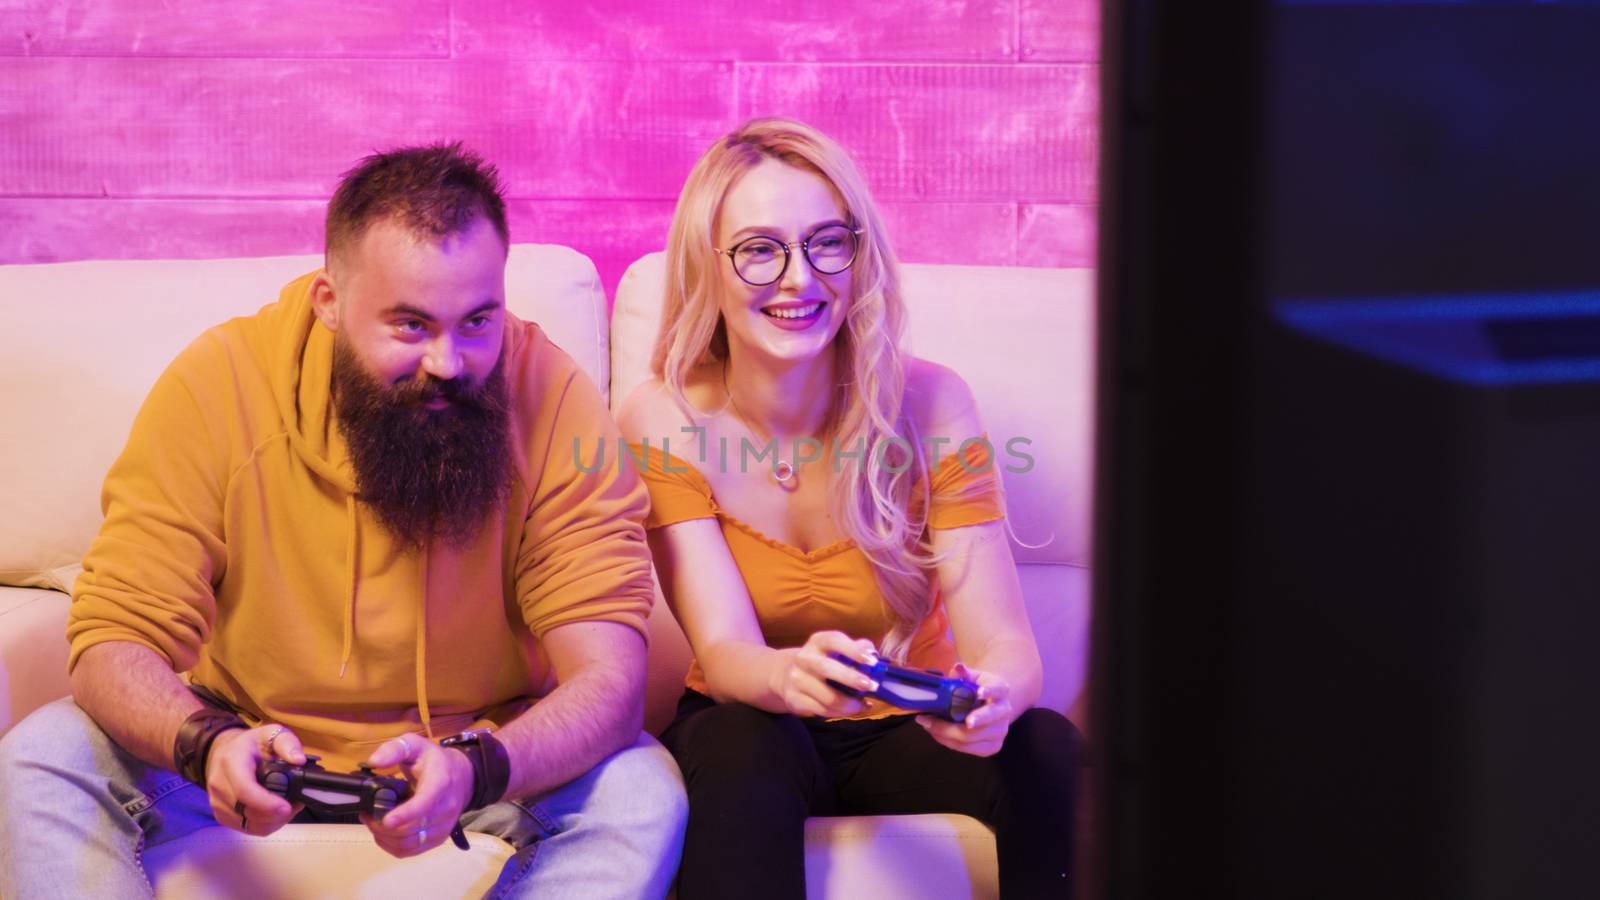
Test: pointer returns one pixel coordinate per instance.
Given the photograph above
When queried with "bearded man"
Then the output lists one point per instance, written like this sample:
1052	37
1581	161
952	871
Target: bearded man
354	524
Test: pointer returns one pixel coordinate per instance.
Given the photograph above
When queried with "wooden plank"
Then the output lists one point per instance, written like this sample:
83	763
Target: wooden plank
287	128
56	229
282	28
1060	30
971	234
585	129
949	30
613	233
979	132
1057	235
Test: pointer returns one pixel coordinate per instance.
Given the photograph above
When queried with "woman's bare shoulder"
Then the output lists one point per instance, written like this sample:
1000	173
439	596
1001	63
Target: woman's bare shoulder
939	401
651	411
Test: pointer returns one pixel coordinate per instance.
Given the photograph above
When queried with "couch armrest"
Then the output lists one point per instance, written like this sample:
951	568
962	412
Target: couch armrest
33	651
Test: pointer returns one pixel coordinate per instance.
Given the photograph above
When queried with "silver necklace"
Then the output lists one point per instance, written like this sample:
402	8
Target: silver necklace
783	470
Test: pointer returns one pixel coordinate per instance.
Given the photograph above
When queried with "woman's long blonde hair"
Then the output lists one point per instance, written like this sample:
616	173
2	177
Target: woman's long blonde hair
881	500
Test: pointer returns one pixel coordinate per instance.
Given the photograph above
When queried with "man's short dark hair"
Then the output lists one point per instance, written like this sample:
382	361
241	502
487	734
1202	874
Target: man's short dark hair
433	191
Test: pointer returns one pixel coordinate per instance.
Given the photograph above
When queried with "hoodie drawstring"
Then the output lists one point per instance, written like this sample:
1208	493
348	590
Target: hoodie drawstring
350	619
349	586
422	650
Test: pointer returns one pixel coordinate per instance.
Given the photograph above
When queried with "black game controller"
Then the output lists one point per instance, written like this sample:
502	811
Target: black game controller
332	793
921	690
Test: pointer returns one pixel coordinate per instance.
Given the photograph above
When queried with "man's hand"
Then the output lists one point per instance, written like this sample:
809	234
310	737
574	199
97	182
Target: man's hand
442	779
237	800
984	729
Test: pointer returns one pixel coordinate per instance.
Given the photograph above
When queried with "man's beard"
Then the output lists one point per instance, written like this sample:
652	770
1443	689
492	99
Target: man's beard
427	474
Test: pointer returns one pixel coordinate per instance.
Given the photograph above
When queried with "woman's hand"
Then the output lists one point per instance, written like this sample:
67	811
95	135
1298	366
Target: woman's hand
803	683
984	729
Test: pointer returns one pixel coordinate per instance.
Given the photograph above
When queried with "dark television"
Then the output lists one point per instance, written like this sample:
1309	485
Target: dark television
1348	525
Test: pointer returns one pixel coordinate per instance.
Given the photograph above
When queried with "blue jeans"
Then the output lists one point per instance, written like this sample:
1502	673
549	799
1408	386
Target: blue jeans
77	813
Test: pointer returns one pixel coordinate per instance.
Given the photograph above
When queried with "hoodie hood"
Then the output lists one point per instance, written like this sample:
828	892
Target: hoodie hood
301	354
301	373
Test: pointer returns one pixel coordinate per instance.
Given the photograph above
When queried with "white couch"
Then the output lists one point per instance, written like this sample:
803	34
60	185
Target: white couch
84	341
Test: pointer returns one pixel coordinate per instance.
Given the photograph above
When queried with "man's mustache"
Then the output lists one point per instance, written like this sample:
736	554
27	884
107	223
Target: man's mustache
420	391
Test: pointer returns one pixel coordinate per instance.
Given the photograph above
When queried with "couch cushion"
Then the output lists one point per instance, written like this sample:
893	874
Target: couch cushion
33	651
1023	338
318	861
930	857
84	341
1058	609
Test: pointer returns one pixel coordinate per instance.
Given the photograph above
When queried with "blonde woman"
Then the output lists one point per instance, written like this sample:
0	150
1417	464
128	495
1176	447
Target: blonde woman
801	509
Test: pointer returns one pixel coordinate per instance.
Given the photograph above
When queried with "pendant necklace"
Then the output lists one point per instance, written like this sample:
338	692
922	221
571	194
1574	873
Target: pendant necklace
783	471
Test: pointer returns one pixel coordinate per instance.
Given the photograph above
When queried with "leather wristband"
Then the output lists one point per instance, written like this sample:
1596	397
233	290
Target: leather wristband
491	765
195	737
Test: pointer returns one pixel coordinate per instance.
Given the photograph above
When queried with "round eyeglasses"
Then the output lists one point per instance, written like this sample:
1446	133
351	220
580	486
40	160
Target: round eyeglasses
761	260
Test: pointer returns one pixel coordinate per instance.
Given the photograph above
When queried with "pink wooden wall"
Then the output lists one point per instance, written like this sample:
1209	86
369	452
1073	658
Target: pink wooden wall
183	128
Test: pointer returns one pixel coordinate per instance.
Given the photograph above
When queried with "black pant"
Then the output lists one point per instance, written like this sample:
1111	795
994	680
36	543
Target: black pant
753	777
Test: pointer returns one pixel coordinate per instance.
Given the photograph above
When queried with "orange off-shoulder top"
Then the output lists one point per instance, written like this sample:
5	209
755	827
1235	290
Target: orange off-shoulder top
797	592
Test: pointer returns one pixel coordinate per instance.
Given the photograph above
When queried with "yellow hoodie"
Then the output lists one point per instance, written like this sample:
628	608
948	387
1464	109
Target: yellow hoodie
233	545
